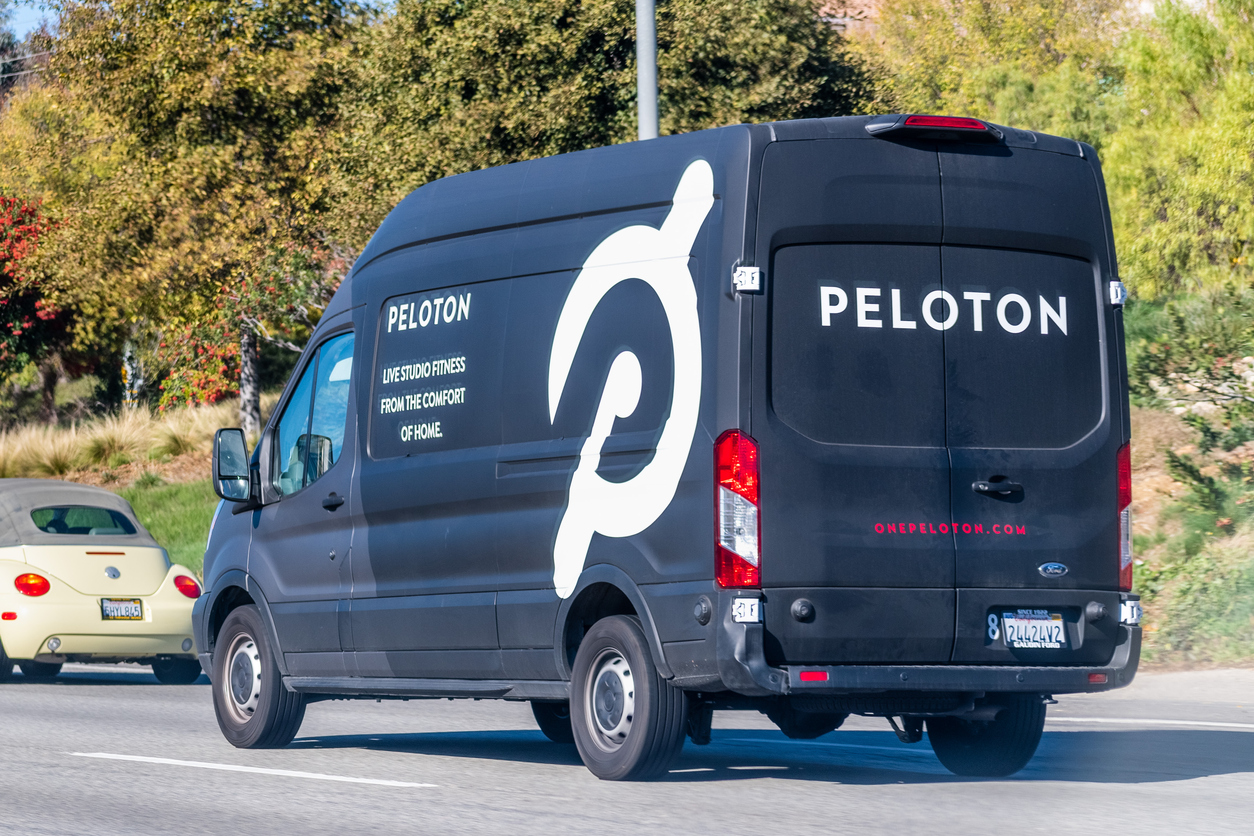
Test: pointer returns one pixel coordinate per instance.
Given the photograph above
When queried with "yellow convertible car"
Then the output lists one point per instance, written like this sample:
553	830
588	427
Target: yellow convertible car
82	581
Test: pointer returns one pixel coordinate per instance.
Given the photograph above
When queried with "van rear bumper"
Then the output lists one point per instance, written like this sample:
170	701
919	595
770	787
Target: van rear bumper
744	670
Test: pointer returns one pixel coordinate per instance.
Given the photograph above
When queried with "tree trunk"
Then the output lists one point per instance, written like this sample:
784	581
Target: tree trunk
249	383
50	376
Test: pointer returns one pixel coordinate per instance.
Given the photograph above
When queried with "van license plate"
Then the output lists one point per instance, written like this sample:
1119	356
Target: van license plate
1034	630
121	609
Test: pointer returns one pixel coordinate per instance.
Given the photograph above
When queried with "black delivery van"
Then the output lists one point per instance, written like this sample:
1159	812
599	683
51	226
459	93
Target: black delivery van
814	418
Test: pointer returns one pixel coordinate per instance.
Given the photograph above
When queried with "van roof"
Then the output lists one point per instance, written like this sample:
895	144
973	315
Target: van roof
594	181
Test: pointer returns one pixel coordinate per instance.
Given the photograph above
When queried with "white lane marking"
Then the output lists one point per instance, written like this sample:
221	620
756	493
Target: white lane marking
893	749
1132	721
229	767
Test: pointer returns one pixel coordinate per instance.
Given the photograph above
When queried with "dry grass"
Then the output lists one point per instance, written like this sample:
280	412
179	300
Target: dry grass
1153	433
117	438
118	449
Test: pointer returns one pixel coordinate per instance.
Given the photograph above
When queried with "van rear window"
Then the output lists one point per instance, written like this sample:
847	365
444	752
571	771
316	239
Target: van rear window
1031	377
924	346
82	519
851	360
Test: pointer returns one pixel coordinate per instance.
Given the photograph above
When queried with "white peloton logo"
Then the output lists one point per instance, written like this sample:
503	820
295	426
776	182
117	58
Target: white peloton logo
658	257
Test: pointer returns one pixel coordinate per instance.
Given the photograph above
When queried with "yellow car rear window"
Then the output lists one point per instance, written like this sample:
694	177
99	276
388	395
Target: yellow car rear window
82	519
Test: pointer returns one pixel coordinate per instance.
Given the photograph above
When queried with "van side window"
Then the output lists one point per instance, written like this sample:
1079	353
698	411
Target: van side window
330	406
310	434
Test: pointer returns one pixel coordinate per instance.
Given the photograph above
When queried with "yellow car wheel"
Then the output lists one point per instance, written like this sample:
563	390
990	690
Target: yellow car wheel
40	670
176	671
6	666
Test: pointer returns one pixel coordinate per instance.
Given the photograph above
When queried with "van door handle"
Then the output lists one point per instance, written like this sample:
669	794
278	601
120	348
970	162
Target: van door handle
1003	488
332	502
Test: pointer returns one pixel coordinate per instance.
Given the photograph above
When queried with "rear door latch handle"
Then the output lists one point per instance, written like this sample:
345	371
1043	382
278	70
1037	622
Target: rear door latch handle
332	502
997	487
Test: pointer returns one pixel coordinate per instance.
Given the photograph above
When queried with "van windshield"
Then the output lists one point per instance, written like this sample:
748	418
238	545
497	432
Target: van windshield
87	520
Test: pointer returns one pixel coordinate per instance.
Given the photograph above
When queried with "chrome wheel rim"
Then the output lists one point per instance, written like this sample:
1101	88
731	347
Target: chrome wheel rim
243	678
610	701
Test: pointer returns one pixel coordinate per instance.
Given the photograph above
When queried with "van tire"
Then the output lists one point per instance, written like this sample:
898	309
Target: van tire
553	718
41	671
635	730
176	671
803	725
991	749
254	710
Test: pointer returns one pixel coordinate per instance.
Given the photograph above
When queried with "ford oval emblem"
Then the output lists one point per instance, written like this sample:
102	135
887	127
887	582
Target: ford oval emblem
115	574
1052	570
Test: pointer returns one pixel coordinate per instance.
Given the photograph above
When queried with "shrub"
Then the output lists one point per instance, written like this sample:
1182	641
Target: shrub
50	452
116	439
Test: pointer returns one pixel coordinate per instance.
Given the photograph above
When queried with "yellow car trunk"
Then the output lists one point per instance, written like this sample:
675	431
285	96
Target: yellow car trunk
102	570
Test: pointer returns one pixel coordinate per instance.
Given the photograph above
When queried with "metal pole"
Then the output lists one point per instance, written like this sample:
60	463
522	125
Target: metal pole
646	68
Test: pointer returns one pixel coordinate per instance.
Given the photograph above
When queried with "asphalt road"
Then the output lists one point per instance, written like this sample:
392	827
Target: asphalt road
107	750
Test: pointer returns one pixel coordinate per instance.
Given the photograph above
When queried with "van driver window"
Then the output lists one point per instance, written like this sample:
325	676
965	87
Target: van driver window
309	440
330	406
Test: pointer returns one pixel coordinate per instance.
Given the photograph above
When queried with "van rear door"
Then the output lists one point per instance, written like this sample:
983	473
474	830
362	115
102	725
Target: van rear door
1028	365
849	405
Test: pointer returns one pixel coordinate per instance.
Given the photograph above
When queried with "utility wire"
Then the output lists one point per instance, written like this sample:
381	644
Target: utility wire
11	58
25	72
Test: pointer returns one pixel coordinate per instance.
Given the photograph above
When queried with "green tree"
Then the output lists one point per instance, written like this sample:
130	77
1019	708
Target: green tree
212	166
1045	65
218	110
8	50
1179	168
440	87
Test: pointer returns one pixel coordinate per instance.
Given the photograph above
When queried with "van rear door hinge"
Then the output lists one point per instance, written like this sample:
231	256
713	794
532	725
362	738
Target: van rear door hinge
1118	293
747	280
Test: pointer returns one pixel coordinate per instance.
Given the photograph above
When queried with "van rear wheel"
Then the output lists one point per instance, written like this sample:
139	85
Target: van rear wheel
553	718
254	710
993	749
628	722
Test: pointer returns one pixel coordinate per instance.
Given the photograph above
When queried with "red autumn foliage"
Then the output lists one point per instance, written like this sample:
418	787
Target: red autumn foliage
31	326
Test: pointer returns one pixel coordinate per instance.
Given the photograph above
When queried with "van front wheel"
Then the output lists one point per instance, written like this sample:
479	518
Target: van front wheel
254	710
628	722
993	749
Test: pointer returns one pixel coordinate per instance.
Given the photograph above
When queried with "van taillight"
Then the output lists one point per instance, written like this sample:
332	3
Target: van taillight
1124	459
737	561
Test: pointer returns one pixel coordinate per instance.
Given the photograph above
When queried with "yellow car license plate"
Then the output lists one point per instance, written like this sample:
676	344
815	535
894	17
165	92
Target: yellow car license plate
121	609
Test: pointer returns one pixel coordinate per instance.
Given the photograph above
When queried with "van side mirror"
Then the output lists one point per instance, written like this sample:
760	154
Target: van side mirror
231	478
